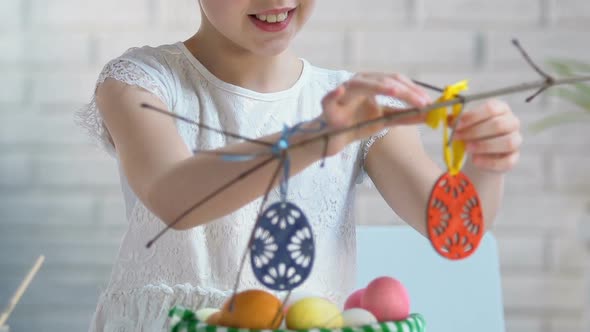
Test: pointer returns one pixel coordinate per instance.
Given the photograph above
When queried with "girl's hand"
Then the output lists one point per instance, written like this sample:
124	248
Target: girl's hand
492	136
355	101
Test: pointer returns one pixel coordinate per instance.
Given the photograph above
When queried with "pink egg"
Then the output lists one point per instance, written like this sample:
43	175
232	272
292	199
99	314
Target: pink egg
387	299
354	300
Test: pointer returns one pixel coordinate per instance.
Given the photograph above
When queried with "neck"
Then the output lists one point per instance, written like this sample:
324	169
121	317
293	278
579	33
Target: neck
238	66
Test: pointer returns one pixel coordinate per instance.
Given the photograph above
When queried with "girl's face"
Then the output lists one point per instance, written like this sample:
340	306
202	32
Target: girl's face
262	27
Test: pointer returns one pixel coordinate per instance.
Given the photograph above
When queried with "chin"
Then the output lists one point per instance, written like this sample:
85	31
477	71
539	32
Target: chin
271	49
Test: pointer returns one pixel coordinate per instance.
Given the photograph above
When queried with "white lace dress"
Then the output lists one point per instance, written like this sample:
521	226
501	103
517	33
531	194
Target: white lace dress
198	267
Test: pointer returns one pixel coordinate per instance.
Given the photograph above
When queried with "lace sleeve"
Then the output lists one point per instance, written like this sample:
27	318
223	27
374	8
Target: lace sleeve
368	143
127	72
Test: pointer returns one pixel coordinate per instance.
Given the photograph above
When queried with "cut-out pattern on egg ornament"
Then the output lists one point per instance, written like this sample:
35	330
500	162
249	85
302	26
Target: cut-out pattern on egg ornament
283	249
455	219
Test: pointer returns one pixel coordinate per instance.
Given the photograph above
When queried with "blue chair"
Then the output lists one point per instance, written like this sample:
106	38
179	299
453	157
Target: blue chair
453	296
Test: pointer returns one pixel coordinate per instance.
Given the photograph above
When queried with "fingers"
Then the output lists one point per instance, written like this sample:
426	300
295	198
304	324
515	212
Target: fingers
482	113
505	144
358	89
355	101
403	88
424	97
393	85
492	135
331	98
486	122
331	108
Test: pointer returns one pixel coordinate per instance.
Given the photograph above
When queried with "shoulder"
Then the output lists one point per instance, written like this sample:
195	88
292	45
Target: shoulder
161	58
328	78
152	68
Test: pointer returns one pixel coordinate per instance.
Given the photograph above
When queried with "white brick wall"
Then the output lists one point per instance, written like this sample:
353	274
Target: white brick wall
70	15
10	13
477	13
59	196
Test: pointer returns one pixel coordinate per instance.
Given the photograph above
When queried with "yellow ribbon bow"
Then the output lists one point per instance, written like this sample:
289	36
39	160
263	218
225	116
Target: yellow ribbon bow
455	154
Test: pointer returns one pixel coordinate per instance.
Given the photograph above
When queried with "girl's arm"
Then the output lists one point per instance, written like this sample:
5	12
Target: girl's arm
404	174
169	179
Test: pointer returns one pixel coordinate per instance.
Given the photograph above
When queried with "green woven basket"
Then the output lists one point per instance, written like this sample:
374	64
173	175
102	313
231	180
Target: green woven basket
184	320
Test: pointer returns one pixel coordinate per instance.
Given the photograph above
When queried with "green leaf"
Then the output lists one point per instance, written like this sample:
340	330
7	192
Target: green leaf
559	119
579	96
561	68
578	66
583	88
569	66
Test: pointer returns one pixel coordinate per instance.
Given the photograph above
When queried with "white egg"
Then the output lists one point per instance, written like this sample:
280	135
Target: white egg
358	317
203	314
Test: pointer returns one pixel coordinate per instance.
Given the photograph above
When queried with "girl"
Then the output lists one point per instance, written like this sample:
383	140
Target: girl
237	74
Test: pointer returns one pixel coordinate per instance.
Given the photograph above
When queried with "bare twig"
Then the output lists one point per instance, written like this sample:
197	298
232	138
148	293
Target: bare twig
413	111
203	126
282	307
231	155
393	114
428	86
211	196
21	290
534	95
530	61
549	80
260	211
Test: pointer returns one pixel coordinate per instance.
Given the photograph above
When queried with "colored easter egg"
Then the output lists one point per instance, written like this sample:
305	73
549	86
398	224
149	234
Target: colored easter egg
354	300
313	312
253	309
356	317
455	218
214	318
387	299
283	250
204	313
297	295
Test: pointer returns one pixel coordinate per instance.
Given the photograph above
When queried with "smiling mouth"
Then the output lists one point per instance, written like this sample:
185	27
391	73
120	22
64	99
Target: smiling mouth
273	20
274	16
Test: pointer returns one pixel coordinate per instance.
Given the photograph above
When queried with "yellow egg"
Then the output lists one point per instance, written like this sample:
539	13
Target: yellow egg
314	312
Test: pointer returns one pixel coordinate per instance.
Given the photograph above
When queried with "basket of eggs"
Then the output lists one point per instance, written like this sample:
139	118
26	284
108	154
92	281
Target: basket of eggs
383	306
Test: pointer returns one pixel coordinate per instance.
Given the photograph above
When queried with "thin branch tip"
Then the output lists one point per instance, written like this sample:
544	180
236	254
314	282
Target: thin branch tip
515	42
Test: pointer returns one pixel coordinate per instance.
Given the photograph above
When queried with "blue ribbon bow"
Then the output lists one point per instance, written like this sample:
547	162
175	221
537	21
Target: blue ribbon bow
277	150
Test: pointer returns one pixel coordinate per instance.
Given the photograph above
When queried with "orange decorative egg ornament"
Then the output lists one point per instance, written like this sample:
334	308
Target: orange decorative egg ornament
455	220
454	212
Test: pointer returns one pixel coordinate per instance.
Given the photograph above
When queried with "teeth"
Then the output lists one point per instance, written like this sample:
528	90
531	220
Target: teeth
273	18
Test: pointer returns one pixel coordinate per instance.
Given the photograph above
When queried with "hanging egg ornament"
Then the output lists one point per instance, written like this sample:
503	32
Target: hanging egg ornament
283	250
454	213
455	220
